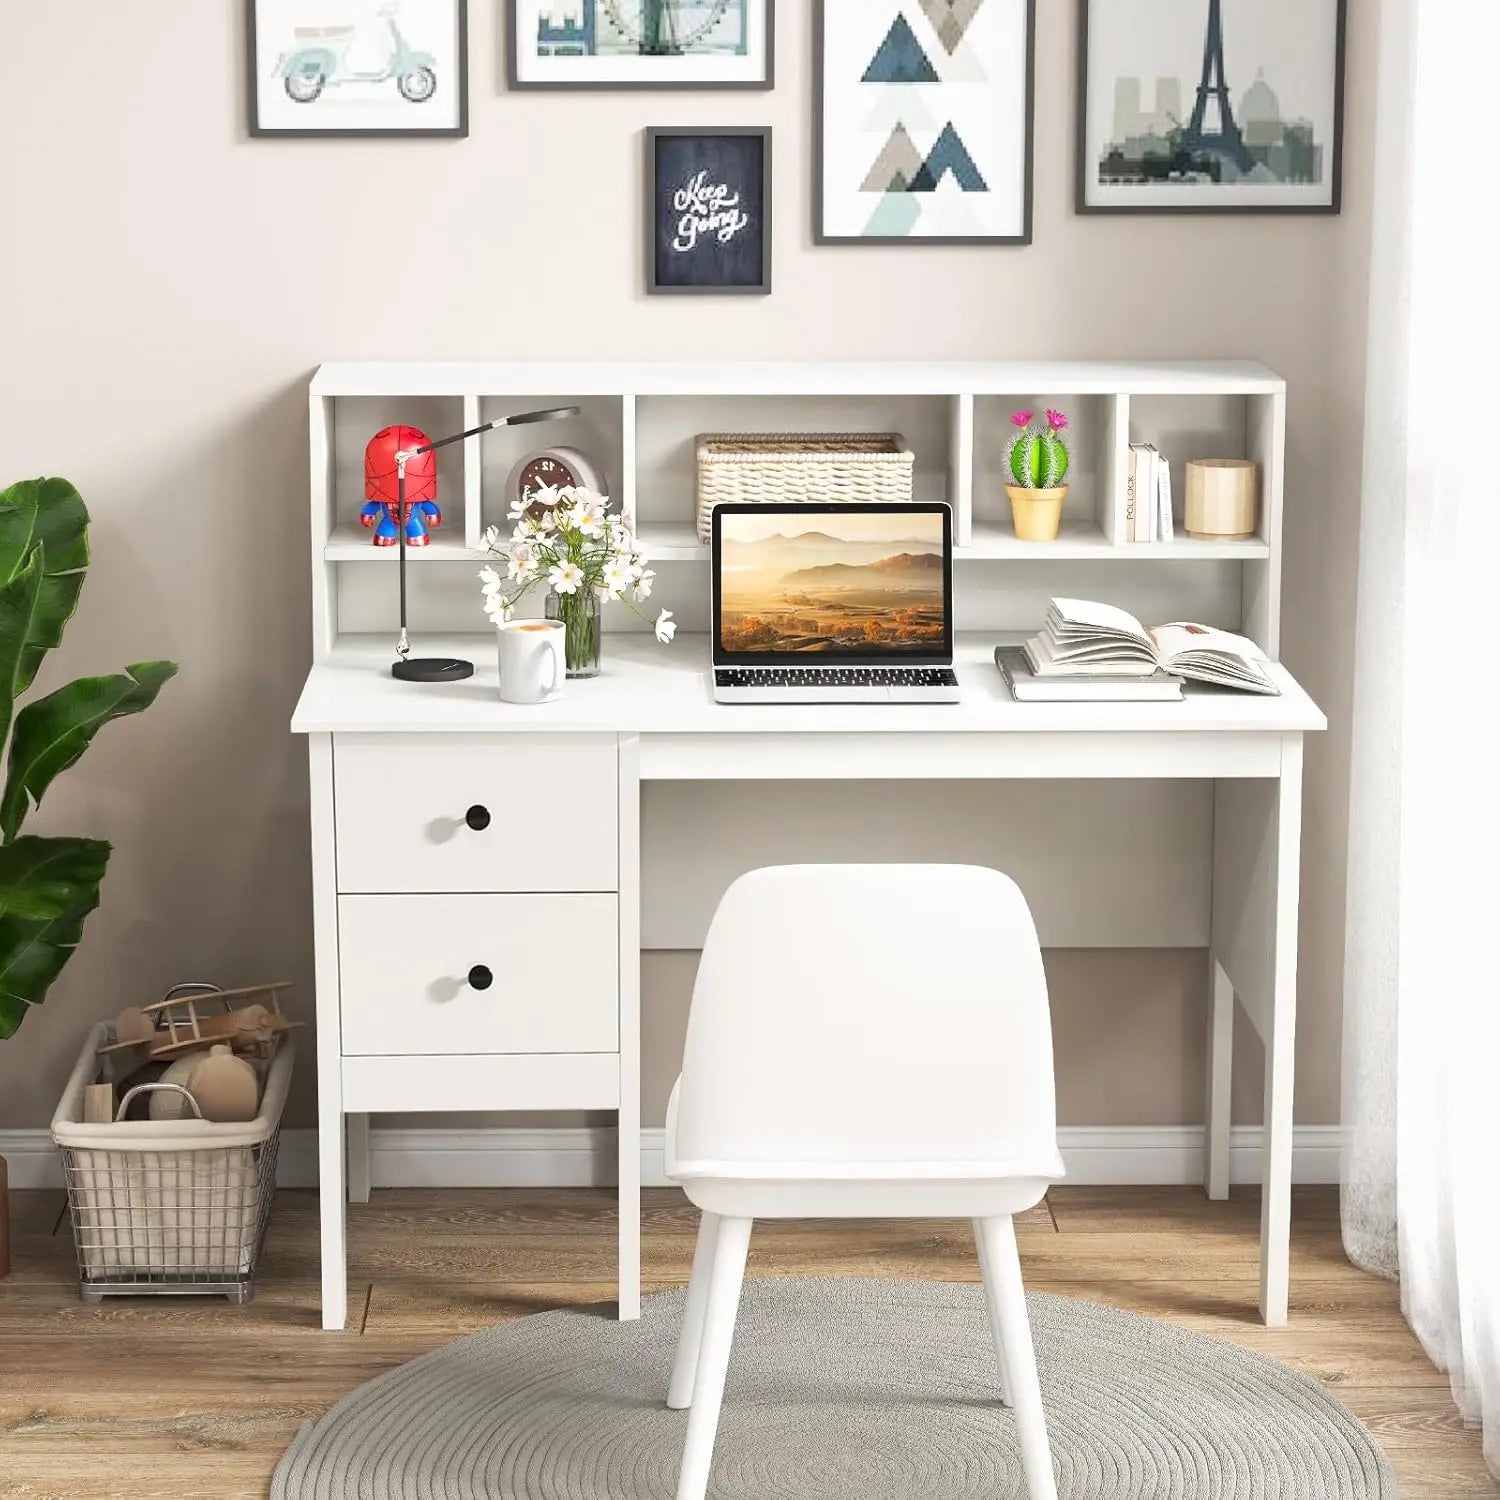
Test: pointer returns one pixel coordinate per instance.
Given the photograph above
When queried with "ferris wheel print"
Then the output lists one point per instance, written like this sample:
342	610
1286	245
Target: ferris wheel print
655	26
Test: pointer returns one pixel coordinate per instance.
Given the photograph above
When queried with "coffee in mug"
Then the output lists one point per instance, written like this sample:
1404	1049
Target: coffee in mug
533	666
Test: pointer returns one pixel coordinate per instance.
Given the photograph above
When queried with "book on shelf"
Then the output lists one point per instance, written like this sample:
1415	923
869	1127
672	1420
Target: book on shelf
1027	686
1148	496
1083	638
1142	485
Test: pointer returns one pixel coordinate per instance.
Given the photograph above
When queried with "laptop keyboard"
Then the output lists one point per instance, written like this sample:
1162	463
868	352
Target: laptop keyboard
857	677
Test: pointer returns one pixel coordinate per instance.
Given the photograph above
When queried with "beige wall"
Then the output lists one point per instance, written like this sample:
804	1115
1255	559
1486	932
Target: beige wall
167	285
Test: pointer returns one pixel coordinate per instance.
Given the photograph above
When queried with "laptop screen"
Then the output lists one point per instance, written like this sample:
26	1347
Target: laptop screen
866	584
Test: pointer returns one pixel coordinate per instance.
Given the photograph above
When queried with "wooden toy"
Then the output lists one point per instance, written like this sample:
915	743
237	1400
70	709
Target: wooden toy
186	1023
99	1104
168	1104
224	1087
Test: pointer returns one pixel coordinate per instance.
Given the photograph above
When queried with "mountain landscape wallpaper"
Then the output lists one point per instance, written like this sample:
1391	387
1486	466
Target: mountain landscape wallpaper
832	584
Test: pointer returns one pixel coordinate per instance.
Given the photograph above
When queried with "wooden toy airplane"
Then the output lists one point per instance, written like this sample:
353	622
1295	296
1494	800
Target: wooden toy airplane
182	1023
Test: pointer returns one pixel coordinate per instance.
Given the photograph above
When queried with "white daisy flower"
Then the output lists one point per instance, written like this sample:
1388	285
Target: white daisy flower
666	627
491	535
489	581
643	583
565	578
614	579
498	608
522	562
588	517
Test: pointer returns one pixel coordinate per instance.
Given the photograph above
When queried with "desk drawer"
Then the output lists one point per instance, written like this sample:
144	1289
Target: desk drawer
548	809
412	982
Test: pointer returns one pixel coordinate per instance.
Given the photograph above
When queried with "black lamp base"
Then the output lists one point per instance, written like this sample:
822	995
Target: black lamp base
432	669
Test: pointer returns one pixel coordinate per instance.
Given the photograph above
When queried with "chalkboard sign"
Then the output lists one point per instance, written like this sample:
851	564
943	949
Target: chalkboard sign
708	210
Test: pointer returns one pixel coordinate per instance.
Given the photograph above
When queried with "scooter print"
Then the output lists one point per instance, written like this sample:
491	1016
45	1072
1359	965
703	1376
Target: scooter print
322	60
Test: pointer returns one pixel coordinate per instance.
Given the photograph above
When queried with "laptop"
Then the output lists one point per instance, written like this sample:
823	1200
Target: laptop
825	603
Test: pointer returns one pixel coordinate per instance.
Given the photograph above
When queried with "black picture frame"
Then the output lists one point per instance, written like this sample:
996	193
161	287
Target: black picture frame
513	79
1336	150
657	213
259	131
820	233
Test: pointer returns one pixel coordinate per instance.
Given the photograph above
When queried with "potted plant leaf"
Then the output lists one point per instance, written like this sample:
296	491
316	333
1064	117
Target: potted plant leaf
1037	460
48	885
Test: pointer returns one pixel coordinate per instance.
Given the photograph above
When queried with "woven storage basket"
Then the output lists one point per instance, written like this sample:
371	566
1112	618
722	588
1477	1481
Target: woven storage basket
764	468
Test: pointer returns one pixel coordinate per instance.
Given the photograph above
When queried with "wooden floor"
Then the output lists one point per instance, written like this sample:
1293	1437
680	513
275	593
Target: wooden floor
194	1398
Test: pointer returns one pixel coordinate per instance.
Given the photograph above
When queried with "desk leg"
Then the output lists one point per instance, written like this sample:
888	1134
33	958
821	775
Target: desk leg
1257	851
1280	1039
330	1062
630	1028
357	1154
331	1206
1220	1074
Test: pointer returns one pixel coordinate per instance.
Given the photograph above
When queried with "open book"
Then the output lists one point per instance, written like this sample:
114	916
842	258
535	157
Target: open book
1085	638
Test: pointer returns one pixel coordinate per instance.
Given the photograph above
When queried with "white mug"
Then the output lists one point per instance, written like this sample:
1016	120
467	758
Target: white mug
532	665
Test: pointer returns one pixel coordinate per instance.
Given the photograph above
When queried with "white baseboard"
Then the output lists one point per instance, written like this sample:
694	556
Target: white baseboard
1103	1155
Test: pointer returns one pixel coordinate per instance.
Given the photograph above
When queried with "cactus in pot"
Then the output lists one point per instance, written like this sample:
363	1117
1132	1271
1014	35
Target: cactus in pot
1036	461
1038	454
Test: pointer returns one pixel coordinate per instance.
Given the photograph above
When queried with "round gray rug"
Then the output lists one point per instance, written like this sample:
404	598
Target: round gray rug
839	1389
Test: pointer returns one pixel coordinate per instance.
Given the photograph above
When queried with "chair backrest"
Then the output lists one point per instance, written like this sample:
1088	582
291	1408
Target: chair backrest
870	1013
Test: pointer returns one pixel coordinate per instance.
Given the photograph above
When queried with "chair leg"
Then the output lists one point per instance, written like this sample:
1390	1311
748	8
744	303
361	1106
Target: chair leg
998	1239
690	1340
992	1302
722	1303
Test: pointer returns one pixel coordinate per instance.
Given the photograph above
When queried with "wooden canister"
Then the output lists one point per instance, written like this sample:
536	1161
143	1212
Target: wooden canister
1221	498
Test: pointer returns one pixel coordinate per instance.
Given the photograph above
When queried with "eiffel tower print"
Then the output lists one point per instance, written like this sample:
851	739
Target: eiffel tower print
1213	88
1173	112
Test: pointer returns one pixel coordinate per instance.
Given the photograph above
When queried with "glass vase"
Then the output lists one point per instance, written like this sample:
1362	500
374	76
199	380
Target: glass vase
583	638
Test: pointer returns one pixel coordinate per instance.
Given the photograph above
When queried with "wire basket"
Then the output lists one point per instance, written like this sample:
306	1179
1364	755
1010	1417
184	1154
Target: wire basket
177	1206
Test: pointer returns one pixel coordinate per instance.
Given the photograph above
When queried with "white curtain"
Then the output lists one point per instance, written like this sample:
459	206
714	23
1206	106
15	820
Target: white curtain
1421	1197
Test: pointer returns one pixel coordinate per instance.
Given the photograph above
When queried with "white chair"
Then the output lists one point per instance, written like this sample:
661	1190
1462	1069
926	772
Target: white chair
865	1041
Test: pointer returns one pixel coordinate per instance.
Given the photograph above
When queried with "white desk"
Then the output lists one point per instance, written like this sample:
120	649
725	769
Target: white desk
395	766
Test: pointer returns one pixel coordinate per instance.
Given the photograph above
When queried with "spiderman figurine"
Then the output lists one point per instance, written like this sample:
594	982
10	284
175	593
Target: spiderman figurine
382	502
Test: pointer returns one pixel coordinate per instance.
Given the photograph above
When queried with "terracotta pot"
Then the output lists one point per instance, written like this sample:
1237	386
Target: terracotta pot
1036	513
4	1220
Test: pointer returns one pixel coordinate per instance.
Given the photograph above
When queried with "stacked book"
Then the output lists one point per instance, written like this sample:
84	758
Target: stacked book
1089	652
1148	496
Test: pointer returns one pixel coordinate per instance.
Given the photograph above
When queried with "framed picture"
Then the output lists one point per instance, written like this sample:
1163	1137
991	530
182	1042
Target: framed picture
922	121
358	67
708	210
1210	106
642	44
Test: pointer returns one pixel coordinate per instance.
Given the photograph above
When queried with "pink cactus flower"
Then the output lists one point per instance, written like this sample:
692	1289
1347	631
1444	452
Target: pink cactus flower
1021	418
1056	420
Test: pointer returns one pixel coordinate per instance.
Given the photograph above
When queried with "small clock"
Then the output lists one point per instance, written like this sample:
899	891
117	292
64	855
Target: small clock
557	467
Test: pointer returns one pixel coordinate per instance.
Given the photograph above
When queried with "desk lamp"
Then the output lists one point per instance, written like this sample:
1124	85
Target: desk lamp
445	668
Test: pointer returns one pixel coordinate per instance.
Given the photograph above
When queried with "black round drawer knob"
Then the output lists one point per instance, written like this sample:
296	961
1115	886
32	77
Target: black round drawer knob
480	977
478	818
